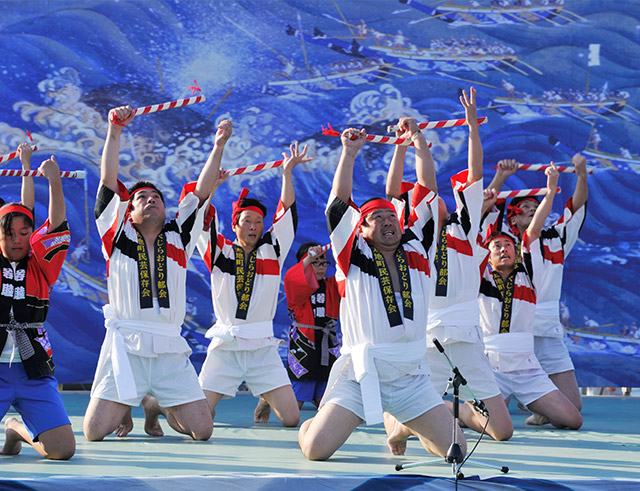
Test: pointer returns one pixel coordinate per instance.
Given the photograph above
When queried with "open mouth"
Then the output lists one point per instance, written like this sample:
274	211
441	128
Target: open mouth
388	233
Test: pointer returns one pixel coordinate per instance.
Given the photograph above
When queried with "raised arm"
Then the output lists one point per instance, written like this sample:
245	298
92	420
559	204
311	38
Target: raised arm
489	198
27	194
287	194
343	178
543	210
111	152
396	170
425	166
505	168
581	192
57	212
210	173
475	154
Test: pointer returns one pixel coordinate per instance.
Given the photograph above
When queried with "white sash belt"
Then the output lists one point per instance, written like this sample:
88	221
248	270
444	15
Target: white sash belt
510	342
224	333
363	357
114	346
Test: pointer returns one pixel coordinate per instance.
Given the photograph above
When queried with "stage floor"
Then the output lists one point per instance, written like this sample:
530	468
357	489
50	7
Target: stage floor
608	447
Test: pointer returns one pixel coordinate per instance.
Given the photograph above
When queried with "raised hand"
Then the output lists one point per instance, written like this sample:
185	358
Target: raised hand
552	177
408	125
297	157
49	168
225	129
315	251
470	108
489	196
120	116
507	167
222	177
24	152
353	140
580	163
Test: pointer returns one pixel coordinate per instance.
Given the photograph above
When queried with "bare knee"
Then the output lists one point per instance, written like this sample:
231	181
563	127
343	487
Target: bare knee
93	432
93	437
202	433
59	447
291	420
502	431
313	449
501	434
62	452
575	422
312	446
571	422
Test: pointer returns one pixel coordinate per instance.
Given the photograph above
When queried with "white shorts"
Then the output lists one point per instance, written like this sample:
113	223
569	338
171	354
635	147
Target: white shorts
406	397
473	365
553	355
526	385
170	377
262	370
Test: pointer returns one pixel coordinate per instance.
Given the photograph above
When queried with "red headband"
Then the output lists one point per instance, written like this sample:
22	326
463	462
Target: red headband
514	210
496	235
143	188
375	205
16	208
237	208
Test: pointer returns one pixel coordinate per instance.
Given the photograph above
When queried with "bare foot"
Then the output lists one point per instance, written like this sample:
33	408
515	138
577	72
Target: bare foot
261	412
151	414
125	427
397	435
536	420
12	439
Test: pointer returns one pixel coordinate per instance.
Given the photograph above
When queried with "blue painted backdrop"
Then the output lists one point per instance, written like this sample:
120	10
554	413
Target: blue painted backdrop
282	68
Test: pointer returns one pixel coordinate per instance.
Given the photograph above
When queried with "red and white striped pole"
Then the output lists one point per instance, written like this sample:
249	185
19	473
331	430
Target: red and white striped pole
543	167
154	108
13	155
65	174
445	123
388	140
524	193
254	168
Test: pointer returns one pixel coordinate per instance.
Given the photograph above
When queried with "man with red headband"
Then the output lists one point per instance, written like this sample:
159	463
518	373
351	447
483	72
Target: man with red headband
384	278
30	263
556	242
454	318
245	281
507	310
143	352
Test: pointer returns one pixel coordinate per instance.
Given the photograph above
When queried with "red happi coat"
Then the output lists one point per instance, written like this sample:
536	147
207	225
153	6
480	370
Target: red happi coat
25	291
313	303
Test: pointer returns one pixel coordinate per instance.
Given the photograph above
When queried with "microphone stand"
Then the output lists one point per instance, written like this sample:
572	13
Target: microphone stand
454	454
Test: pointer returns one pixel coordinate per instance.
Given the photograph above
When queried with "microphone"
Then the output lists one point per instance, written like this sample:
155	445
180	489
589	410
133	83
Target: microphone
438	345
479	406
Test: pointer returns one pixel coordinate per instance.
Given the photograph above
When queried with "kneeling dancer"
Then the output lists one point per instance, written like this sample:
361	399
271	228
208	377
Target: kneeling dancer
245	281
383	277
143	352
30	262
507	311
